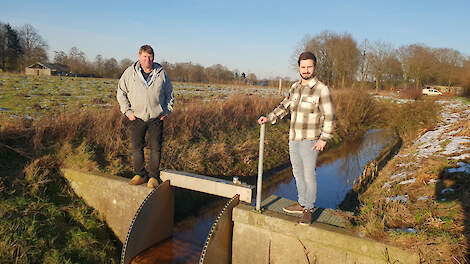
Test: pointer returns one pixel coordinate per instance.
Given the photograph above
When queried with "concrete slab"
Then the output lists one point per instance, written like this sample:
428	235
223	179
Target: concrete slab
207	184
112	196
321	215
272	237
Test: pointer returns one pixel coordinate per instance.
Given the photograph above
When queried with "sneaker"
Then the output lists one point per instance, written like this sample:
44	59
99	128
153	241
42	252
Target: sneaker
306	217
293	209
152	183
137	180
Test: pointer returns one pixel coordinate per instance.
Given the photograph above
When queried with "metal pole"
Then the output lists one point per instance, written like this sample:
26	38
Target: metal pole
260	168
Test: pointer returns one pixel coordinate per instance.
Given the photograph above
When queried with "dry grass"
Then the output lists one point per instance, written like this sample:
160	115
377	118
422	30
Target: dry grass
442	220
411	93
211	138
410	119
356	112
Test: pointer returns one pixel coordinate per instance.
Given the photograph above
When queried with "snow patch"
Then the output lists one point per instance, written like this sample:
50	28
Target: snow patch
463	167
400	198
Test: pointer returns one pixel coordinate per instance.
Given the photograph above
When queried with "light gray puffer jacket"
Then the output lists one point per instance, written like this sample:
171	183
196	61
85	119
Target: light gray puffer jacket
146	102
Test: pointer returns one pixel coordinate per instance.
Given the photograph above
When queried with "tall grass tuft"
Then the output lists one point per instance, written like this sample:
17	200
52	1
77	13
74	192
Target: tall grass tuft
356	112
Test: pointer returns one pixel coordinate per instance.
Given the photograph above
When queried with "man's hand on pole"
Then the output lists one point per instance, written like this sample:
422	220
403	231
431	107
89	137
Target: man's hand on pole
262	120
319	145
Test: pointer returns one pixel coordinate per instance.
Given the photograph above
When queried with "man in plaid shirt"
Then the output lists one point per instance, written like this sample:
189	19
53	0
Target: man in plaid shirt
312	122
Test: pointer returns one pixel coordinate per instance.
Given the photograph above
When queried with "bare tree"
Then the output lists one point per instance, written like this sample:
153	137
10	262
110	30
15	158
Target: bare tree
61	57
449	66
380	53
77	61
111	68
393	70
34	46
99	65
418	64
124	63
252	78
337	57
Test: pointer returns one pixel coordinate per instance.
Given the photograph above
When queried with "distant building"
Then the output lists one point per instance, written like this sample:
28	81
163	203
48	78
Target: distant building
47	69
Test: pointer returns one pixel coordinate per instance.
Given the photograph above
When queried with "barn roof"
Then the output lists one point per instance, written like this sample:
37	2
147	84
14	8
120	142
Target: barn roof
52	66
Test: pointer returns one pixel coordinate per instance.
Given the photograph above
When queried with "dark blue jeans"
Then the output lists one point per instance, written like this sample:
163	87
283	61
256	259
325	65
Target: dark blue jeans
138	128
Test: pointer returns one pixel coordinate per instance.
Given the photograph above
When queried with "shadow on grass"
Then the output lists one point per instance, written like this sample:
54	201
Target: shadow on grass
455	187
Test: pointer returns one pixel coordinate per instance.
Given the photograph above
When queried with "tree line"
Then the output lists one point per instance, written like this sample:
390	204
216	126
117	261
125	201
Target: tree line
343	62
21	47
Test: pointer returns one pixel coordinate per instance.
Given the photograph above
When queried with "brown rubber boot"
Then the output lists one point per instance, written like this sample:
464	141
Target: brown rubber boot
137	180
152	183
293	209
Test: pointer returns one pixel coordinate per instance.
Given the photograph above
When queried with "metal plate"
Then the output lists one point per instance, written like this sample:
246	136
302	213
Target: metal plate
322	215
152	223
218	246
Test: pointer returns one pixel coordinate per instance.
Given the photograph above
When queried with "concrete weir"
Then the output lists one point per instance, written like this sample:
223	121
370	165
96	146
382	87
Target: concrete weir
145	216
207	184
118	201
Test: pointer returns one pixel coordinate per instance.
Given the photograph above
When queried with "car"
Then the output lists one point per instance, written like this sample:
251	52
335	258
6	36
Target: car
429	91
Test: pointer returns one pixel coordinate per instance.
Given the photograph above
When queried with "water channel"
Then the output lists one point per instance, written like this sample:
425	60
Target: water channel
336	170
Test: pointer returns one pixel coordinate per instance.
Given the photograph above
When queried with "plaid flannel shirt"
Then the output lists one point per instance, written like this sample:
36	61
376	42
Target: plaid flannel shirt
312	111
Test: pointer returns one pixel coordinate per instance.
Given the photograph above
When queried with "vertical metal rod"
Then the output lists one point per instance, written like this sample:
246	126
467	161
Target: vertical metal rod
260	168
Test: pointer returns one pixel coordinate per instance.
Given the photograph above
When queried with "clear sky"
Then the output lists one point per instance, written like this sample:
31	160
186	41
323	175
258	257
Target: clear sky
251	36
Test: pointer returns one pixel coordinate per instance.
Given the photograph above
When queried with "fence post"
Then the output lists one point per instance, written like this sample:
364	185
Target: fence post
260	168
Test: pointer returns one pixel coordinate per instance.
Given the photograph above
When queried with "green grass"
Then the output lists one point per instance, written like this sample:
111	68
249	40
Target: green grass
43	221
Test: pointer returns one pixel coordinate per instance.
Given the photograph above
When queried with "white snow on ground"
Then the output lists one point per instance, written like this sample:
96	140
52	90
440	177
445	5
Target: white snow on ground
423	198
400	175
463	167
399	198
408	181
440	142
393	99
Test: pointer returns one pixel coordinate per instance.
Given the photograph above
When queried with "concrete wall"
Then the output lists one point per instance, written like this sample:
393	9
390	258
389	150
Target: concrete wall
112	196
271	237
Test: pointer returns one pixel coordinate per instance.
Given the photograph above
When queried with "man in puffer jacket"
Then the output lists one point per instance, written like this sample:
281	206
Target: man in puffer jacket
145	95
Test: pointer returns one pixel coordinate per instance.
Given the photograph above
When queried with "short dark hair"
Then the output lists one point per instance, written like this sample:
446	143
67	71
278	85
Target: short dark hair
307	55
146	48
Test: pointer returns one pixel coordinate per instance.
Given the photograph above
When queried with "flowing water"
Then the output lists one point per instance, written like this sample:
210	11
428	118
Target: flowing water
336	170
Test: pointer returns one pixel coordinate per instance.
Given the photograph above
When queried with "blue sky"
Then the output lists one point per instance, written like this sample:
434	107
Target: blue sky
251	36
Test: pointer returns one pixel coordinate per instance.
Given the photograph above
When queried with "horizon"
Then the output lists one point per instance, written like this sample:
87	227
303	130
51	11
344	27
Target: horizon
247	36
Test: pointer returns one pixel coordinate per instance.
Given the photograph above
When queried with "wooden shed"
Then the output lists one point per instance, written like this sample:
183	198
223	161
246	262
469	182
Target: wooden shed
46	69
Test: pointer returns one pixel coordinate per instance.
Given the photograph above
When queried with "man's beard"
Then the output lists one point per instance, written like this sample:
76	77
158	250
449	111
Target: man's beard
308	77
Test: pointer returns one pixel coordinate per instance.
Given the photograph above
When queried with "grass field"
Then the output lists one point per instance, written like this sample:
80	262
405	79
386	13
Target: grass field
33	96
76	123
